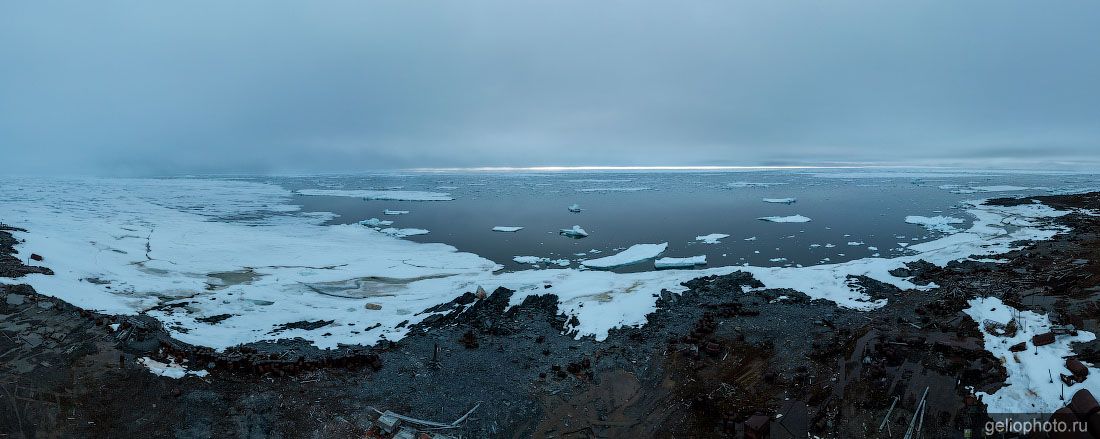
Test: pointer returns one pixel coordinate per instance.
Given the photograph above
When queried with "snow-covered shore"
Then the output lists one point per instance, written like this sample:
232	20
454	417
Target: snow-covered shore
127	246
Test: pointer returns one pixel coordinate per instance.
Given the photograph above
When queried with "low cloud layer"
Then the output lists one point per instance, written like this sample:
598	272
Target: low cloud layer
272	86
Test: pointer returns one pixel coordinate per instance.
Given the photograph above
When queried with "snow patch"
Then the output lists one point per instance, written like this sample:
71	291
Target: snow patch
170	369
1029	388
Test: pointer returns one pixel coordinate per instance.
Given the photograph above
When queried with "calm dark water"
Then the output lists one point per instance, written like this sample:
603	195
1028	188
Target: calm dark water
676	208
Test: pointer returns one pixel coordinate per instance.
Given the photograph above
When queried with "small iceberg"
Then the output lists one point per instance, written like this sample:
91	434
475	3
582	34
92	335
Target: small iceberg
780	200
785	219
575	208
935	223
394	212
576	232
680	262
375	222
535	260
401	233
633	255
507	228
713	238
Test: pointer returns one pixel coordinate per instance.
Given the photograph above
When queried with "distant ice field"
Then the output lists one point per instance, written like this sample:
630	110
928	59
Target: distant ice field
622	209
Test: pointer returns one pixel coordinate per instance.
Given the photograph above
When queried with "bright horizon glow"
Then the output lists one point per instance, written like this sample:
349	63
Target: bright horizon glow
636	168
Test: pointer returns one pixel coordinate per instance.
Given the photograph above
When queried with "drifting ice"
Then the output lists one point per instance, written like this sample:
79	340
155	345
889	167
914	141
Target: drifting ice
575	232
394	212
401	233
680	262
935	223
780	200
537	260
712	238
785	219
375	222
507	228
576	208
636	253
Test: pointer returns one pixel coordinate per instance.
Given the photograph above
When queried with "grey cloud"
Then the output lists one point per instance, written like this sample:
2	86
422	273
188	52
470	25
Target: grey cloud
262	86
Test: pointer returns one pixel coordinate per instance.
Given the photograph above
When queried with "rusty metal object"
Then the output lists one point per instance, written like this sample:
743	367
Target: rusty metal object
1043	339
1084	404
1078	369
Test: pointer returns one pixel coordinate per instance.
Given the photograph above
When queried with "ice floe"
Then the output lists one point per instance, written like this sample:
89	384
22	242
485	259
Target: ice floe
394	212
780	200
391	195
942	224
375	222
633	255
401	233
680	262
574	232
1030	386
575	208
507	228
534	260
713	238
785	219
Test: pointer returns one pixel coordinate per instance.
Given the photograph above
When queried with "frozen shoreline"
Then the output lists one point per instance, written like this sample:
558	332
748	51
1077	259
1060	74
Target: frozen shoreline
153	242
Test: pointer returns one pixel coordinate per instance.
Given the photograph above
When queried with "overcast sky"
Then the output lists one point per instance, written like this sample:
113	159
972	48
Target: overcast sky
144	87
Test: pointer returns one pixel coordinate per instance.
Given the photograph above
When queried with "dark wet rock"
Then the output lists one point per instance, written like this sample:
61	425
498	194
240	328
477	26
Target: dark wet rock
306	325
214	319
10	264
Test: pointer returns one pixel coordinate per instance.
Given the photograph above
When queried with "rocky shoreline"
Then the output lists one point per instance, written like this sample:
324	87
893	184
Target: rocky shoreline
707	361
